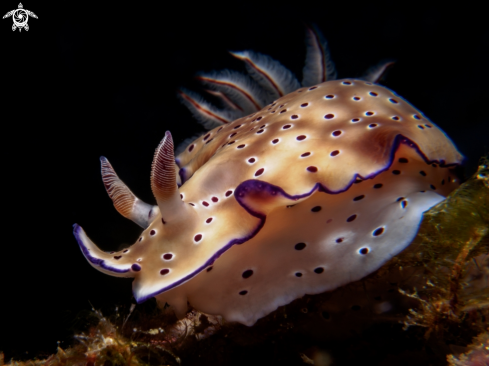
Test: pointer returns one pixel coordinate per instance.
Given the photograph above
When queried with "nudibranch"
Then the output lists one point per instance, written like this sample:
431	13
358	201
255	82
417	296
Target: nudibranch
316	189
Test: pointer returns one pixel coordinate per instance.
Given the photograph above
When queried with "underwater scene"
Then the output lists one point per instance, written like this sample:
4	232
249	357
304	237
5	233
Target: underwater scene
272	185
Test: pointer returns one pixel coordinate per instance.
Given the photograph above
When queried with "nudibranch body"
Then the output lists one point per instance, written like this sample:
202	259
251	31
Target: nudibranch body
315	190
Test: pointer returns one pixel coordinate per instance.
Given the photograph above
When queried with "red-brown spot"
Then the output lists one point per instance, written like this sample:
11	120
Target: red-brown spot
259	172
251	160
167	256
198	237
306	154
274	141
209	220
152	232
286	127
303	105
214	199
294	116
334	153
241	146
312	169
164	271
329	116
336	133
206	136
228	193
301	137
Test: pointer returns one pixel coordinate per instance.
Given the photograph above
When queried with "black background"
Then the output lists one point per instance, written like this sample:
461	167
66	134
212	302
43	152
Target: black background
98	79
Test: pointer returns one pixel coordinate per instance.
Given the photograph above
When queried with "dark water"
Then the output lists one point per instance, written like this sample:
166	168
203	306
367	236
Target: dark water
92	79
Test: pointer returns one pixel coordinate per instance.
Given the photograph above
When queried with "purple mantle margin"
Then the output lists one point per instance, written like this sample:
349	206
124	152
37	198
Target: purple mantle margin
254	185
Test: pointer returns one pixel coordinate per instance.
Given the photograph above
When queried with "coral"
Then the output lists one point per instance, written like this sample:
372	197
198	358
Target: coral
476	355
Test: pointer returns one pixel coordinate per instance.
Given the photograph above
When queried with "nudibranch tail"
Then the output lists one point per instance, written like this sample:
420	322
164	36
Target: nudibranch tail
125	202
104	262
269	73
318	67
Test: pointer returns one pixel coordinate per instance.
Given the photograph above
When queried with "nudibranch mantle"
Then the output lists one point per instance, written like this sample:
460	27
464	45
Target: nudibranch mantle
314	191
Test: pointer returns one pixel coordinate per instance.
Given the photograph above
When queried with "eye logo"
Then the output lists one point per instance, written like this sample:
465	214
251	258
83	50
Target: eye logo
20	17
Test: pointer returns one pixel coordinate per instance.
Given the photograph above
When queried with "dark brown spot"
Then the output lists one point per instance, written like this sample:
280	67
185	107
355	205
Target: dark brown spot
369	113
339	240
403	160
117	257
191	147
205	203
241	146
244	292
191	204
209	269
283	111
298	274
432	186
300	246
329	116
251	160
306	154
319	270
356	98
167	256
141	238
396	172
220	128
259	131
416	116
363	251
209	220
312	169
206	136
286	127
334	153
209	141
329	96
337	133
259	118
395	118
393	101
294	116
355	120
233	134
198	237
231	142
372	125
238	126
378	231
373	94
152	232
351	218
274	141
300	137
125	250
346	83
423	173
303	105
316	209
358	198
420	127
259	172
429	126
312	88
404	203
164	271
378	185
247	273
